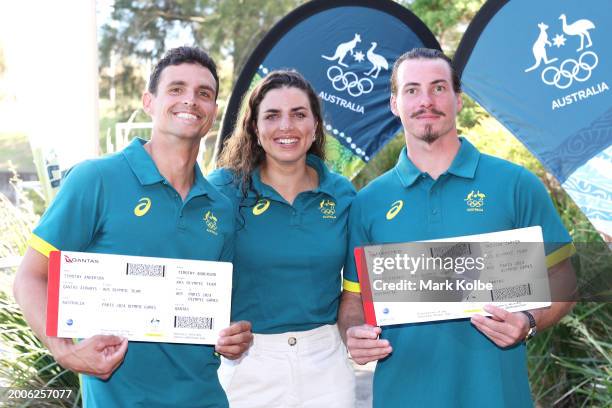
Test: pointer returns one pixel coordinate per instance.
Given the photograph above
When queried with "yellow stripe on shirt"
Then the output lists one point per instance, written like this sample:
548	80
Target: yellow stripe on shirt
350	286
41	245
560	254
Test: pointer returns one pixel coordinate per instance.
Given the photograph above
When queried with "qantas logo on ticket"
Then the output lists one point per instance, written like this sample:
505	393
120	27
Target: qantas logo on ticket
68	259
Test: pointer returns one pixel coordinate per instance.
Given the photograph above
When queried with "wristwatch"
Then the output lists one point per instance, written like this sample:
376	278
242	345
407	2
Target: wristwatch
532	325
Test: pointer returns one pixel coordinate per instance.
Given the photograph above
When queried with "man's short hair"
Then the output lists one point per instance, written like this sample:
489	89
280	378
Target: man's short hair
183	55
424	53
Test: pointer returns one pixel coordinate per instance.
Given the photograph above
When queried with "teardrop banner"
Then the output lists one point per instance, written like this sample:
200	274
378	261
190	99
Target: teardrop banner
346	49
544	70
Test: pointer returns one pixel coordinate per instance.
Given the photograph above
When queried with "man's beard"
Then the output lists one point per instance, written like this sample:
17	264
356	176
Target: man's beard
429	136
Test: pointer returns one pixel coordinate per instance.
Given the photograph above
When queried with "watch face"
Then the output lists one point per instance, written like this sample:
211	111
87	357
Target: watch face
531	333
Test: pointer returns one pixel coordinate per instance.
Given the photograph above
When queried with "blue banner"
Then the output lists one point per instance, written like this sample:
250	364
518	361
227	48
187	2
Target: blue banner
346	49
543	69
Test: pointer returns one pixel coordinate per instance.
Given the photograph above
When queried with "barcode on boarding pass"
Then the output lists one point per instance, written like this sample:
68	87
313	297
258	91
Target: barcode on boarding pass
453	251
193	322
135	269
510	292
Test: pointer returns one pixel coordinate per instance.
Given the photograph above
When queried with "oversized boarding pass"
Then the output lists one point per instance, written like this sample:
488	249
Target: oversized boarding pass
453	278
140	298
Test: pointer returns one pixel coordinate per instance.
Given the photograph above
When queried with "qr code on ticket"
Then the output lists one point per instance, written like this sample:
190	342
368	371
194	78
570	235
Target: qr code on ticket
135	269
193	322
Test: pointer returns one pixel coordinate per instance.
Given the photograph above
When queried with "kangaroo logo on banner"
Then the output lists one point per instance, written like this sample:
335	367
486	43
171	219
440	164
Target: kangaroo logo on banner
349	81
346	50
569	70
544	70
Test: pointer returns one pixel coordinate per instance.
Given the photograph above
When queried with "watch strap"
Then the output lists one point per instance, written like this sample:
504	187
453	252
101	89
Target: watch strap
532	325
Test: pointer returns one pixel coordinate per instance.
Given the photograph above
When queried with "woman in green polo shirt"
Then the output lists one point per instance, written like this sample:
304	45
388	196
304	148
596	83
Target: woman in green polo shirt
291	243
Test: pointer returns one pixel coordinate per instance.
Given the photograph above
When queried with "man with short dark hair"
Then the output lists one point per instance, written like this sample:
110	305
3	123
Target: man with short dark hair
477	362
148	200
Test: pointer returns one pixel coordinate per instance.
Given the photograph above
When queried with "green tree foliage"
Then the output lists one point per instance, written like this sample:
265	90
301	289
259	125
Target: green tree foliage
25	362
227	28
141	31
447	19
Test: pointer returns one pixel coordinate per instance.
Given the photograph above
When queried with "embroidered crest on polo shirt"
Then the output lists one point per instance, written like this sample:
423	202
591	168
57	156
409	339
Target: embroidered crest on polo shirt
475	201
261	206
328	208
396	207
211	222
143	206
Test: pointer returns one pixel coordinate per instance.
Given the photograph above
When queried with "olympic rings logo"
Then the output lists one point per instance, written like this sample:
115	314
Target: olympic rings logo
570	70
349	81
475	203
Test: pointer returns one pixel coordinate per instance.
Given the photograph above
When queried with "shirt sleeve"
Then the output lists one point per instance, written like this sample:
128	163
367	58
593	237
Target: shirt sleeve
533	207
74	217
357	236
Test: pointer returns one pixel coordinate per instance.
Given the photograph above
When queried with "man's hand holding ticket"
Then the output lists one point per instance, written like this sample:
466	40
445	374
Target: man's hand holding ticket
140	298
453	278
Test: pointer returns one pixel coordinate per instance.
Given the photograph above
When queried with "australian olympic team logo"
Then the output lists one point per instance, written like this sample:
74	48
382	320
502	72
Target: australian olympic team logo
154	323
328	208
346	80
261	206
211	222
475	201
569	71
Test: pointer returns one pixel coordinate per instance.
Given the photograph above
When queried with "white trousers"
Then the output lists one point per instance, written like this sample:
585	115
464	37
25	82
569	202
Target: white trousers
307	369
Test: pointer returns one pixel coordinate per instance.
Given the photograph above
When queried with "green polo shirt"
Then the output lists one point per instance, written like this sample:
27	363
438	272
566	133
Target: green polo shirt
121	204
288	257
450	363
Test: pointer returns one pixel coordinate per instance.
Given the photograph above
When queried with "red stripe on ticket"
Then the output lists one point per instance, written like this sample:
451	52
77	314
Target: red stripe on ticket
364	284
53	283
